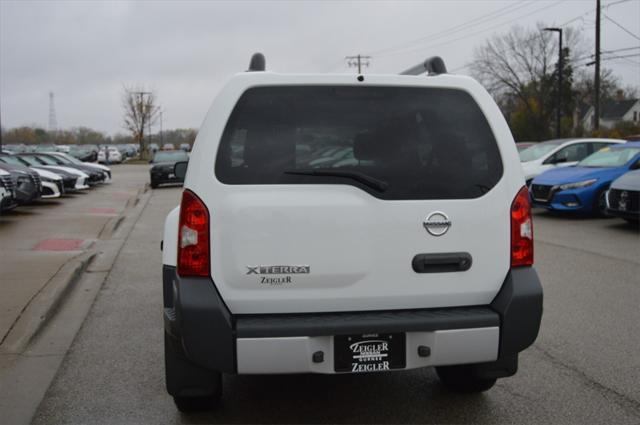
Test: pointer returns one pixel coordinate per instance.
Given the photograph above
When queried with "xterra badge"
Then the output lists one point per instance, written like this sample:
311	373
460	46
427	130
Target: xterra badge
277	270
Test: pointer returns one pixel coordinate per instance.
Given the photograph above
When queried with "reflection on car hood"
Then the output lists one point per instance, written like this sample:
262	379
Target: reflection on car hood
164	164
577	174
629	181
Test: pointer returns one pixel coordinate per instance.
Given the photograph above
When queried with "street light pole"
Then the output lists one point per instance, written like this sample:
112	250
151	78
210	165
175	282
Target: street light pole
560	69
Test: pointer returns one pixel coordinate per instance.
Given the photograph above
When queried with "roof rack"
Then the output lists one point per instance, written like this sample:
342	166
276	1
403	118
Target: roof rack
258	63
432	66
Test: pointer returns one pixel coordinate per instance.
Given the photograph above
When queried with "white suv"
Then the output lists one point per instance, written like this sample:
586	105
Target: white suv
418	253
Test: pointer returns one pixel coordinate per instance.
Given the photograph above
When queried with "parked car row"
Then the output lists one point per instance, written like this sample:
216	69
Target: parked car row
85	153
27	177
592	176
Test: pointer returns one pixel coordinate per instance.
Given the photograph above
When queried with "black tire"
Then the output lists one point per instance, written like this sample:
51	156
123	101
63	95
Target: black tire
600	204
153	184
460	379
633	221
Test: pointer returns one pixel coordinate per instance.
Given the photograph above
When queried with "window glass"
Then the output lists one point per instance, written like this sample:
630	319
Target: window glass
170	156
572	153
536	152
422	143
610	157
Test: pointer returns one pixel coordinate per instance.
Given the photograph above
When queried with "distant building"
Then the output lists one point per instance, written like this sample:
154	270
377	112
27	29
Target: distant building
611	113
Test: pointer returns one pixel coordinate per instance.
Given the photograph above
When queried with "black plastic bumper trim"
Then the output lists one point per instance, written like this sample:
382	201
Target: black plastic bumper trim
519	304
319	324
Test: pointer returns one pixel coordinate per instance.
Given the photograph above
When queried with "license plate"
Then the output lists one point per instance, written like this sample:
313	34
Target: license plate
369	352
172	176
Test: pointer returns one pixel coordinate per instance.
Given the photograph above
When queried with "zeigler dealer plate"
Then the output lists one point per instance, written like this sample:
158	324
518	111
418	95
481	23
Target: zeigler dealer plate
369	352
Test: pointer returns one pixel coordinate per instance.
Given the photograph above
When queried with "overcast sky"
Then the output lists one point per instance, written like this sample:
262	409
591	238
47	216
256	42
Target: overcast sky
85	51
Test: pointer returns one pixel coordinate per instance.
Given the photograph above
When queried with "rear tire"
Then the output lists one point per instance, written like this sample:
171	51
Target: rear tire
460	379
153	184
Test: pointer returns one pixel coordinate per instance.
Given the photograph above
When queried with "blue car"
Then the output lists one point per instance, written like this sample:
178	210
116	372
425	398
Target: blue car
582	188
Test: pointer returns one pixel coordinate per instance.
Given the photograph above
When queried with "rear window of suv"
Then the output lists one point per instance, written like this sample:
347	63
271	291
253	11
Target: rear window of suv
393	142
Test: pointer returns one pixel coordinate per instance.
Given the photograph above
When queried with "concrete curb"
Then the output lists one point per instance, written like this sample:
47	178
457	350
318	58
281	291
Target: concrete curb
99	258
45	304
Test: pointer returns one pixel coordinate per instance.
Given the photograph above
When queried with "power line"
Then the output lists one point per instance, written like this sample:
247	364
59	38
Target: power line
621	50
578	59
477	32
457	28
615	2
621	27
589	12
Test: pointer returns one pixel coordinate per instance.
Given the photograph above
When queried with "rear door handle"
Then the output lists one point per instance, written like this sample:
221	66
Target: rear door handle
442	262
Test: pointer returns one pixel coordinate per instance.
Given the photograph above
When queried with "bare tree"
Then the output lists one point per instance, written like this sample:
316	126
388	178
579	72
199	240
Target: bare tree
140	112
517	68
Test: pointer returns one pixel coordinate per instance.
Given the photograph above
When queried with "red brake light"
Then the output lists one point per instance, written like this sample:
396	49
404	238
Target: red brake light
521	230
193	237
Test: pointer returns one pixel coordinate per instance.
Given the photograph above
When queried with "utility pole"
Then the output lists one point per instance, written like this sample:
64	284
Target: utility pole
53	123
559	94
596	85
358	61
161	135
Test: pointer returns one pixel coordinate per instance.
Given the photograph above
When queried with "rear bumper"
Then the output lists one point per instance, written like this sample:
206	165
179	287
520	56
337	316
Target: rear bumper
161	177
197	320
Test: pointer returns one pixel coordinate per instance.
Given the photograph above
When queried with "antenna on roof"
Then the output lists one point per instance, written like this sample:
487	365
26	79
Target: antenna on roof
258	63
432	66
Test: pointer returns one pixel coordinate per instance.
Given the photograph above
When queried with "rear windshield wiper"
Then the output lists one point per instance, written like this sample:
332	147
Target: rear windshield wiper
372	182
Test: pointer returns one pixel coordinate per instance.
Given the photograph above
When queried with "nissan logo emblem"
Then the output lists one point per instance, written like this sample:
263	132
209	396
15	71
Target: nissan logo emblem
437	223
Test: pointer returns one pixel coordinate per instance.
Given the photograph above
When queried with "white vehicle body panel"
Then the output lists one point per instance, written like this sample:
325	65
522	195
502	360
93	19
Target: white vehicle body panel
359	248
82	177
52	186
170	241
532	169
295	354
48	174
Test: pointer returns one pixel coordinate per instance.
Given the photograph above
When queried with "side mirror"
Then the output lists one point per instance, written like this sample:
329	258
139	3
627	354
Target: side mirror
180	169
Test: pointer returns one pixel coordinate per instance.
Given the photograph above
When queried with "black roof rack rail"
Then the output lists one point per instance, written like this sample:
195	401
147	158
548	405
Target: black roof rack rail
432	66
258	63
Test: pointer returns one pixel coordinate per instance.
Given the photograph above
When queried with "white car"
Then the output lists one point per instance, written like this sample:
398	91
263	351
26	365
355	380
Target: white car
547	155
52	185
71	160
420	256
82	178
115	157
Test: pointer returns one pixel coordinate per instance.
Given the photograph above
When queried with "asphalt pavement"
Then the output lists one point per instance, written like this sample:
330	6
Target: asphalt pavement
584	367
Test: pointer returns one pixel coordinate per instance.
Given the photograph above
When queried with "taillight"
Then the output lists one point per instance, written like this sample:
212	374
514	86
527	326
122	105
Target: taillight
521	230
193	237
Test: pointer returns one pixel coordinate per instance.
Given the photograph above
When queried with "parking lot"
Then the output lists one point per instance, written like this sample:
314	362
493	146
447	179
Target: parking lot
583	367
